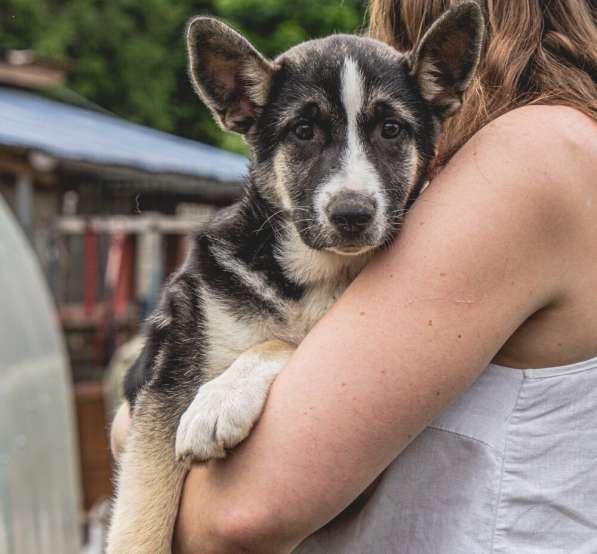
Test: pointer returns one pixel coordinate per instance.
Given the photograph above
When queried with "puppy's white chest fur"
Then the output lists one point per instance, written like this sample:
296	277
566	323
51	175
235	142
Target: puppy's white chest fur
325	276
228	337
303	314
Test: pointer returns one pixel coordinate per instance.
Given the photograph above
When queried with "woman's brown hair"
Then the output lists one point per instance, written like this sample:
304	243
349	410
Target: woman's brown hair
535	52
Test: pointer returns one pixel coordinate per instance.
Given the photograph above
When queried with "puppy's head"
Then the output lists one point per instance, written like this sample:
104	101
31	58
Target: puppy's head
342	129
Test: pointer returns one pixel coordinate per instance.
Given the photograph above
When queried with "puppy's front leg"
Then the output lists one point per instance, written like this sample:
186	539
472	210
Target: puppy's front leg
149	483
226	408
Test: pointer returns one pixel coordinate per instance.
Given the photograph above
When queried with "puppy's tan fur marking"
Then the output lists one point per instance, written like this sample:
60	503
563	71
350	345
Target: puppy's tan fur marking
271	349
148	457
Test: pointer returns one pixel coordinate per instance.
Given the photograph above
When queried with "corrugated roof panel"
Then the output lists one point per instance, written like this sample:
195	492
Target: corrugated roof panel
73	133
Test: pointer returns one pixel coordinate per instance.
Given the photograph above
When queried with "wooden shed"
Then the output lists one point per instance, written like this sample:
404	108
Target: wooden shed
101	198
108	206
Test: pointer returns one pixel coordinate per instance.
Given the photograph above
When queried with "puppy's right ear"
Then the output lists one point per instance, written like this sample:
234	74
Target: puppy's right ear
230	76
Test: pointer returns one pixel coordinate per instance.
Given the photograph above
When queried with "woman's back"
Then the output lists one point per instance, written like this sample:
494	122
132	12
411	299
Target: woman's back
552	151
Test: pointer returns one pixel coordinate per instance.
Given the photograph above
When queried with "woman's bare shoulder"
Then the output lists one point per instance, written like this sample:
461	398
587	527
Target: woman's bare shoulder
556	137
546	155
521	183
556	115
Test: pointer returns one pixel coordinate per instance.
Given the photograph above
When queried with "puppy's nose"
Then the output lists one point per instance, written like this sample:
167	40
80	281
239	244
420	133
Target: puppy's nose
351	212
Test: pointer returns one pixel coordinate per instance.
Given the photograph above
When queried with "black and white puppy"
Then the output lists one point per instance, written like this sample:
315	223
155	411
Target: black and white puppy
342	132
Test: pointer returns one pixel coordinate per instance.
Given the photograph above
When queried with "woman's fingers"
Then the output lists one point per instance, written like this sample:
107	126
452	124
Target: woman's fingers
120	429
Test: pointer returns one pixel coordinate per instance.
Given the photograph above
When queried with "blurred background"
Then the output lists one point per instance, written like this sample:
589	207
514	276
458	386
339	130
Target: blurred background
107	163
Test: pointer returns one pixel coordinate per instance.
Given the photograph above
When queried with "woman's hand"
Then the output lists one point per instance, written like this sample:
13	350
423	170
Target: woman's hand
119	430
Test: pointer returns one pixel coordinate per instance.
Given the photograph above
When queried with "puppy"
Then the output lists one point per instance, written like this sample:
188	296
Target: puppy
342	131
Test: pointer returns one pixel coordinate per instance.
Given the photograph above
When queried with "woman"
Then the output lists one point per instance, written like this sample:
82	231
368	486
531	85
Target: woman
415	368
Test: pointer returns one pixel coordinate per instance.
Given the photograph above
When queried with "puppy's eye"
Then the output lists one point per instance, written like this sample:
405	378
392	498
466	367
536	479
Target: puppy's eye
303	130
390	129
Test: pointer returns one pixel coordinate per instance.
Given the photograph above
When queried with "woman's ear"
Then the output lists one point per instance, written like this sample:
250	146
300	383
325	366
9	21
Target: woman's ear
228	73
445	60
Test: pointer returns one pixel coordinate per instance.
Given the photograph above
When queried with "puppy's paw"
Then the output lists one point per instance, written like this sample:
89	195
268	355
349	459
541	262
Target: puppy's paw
226	408
221	415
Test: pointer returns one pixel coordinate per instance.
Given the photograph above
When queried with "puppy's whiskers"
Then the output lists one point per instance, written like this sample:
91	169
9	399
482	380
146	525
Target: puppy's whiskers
268	220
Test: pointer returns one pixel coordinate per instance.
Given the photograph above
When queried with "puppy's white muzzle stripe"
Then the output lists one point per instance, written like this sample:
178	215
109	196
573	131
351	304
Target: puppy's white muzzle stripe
356	173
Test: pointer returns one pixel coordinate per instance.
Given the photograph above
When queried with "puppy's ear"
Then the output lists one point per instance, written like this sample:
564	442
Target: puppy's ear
228	73
446	58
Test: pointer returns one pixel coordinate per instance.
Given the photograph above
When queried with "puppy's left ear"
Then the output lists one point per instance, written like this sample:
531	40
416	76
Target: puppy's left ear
230	76
447	57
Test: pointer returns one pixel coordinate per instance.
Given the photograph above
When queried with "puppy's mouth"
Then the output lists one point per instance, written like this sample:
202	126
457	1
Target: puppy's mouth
326	238
350	250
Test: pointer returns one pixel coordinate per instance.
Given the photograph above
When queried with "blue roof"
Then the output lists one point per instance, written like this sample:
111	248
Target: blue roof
71	133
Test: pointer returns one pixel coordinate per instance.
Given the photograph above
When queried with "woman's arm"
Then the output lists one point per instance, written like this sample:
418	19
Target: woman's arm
412	332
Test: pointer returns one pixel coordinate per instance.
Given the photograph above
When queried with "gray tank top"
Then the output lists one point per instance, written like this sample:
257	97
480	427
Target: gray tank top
510	467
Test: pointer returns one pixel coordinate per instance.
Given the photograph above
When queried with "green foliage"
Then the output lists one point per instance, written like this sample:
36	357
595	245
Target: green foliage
275	25
128	55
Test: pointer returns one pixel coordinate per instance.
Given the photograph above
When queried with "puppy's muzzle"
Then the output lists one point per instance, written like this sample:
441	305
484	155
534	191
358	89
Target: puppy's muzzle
351	213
